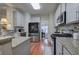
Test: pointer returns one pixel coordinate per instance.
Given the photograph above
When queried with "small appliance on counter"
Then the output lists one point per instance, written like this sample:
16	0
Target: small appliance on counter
23	34
20	31
76	35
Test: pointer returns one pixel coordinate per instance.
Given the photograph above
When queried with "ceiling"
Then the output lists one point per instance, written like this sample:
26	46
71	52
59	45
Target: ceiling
46	8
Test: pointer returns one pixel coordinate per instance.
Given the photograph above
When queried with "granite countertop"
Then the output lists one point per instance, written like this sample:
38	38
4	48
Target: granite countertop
71	44
5	39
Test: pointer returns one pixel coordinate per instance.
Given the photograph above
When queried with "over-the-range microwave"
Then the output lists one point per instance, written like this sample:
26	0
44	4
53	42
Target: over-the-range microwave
62	19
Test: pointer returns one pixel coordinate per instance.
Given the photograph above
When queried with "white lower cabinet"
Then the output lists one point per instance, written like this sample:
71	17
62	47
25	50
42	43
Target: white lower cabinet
61	49
66	52
6	49
22	49
58	48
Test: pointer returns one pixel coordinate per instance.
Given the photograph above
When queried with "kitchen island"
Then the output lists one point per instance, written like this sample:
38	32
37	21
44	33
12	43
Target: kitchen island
21	45
6	45
12	45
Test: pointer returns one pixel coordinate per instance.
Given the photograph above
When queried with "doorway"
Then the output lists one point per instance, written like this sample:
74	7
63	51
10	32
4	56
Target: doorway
44	31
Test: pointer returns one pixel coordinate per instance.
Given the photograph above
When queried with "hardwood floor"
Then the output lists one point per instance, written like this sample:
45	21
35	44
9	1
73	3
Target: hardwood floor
36	48
40	48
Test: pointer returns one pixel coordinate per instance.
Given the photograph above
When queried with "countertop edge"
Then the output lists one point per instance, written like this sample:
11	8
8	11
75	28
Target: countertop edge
6	39
14	46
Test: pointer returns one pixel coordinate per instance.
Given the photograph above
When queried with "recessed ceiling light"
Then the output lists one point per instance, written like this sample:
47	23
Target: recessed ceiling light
35	6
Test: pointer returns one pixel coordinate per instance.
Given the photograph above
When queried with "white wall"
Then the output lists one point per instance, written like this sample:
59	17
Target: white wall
35	19
44	20
51	25
26	21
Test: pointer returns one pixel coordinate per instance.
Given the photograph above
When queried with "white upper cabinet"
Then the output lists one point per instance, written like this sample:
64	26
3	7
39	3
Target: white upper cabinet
72	12
63	7
19	19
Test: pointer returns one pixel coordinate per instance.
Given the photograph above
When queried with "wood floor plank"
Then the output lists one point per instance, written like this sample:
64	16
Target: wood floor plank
36	49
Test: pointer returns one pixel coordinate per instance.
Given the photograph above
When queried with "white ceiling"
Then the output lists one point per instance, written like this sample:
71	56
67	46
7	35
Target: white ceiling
46	8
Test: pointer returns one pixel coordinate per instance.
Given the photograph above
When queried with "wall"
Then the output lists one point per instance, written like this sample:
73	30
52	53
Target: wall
44	20
27	18
35	18
51	24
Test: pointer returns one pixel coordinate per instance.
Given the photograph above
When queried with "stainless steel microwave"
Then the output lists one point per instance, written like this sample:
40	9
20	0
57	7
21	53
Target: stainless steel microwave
62	19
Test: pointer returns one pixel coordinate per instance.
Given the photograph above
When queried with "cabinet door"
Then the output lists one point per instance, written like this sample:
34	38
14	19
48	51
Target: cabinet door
58	48
0	50
7	49
71	12
19	18
66	52
63	7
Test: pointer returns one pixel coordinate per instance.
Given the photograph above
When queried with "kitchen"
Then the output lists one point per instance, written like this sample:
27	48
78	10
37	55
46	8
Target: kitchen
16	25
20	25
